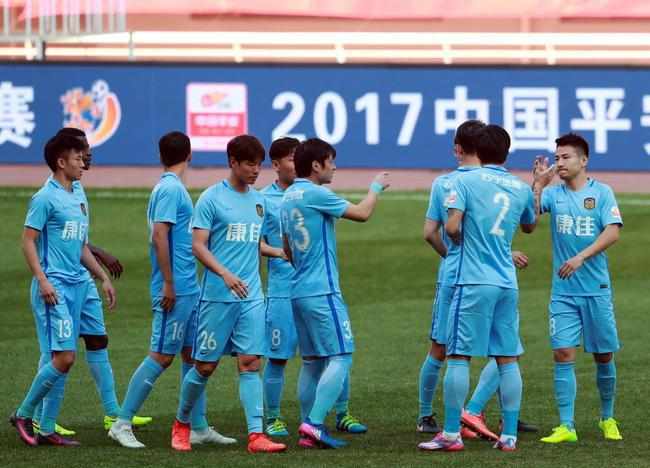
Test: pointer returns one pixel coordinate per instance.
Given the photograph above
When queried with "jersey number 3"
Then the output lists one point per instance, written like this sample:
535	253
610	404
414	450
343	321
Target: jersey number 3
500	199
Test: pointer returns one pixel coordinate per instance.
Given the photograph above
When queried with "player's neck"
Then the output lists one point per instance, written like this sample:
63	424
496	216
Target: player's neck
283	185
63	180
178	169
314	178
468	160
578	182
237	184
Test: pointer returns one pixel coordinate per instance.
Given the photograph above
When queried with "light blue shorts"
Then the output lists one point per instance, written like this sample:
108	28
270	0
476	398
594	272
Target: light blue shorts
588	317
484	321
323	325
57	326
281	336
174	330
440	314
92	313
230	328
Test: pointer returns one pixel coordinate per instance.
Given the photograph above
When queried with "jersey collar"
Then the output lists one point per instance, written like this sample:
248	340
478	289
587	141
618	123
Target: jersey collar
55	183
169	174
467	168
229	187
302	180
495	167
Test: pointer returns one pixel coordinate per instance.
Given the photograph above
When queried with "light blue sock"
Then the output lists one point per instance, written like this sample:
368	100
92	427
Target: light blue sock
429	373
44	380
252	399
198	417
140	386
310	373
341	405
565	391
273	386
192	388
329	386
38	411
52	405
102	372
488	383
456	386
511	390
606	381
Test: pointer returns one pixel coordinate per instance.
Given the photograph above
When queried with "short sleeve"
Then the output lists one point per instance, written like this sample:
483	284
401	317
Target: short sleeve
528	215
433	211
547	200
204	213
38	212
326	201
609	212
166	207
457	198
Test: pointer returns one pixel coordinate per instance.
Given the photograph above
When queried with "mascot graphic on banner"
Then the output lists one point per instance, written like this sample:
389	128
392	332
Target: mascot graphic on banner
96	112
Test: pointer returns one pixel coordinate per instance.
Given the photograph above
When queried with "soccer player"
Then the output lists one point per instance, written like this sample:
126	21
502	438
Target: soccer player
92	327
585	221
308	214
490	204
174	293
55	247
226	236
436	216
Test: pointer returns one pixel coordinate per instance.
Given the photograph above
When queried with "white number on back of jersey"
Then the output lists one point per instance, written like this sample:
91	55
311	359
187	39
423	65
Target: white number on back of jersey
500	199
299	225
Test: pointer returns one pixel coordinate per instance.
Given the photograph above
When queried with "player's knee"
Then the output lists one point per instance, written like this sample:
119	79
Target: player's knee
603	358
95	342
438	351
165	360
186	355
564	355
278	362
63	360
206	369
248	363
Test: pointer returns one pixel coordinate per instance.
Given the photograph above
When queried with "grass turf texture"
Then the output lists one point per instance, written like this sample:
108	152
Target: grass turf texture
388	277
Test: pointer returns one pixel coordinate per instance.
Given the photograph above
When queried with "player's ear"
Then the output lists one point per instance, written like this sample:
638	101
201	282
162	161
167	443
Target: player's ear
316	167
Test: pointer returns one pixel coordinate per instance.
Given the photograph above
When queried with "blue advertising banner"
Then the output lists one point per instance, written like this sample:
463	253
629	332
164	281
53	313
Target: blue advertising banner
392	117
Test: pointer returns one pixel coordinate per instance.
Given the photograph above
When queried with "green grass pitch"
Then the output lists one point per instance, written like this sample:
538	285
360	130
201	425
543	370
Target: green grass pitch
388	277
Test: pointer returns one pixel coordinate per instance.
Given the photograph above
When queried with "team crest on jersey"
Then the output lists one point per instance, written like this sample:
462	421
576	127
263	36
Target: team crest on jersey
83	209
260	210
590	203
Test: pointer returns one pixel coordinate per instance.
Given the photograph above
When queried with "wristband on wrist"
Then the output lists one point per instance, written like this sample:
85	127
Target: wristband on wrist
376	187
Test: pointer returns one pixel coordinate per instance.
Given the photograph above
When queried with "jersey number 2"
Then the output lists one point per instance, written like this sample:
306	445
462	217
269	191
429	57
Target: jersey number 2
500	199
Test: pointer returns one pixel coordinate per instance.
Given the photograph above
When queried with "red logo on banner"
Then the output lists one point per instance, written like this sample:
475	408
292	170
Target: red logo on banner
216	112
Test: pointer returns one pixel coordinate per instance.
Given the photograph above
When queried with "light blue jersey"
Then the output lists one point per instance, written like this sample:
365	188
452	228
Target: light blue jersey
437	211
577	219
494	203
280	271
235	223
308	214
62	219
171	203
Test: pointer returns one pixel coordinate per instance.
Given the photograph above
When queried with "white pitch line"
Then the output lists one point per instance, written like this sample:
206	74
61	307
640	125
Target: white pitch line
134	195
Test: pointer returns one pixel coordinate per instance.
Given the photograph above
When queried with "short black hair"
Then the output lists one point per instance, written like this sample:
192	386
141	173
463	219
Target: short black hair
466	135
313	149
493	145
245	148
174	148
282	147
58	145
575	140
72	131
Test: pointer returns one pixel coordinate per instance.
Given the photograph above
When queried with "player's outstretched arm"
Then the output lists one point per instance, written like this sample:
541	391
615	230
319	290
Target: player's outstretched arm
432	236
47	291
202	253
110	262
160	241
362	211
453	225
543	175
88	260
287	249
267	251
607	238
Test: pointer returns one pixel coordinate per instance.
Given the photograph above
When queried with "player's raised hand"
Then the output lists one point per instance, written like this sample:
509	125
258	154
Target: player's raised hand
236	285
570	266
168	297
382	179
48	293
543	173
520	259
109	293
